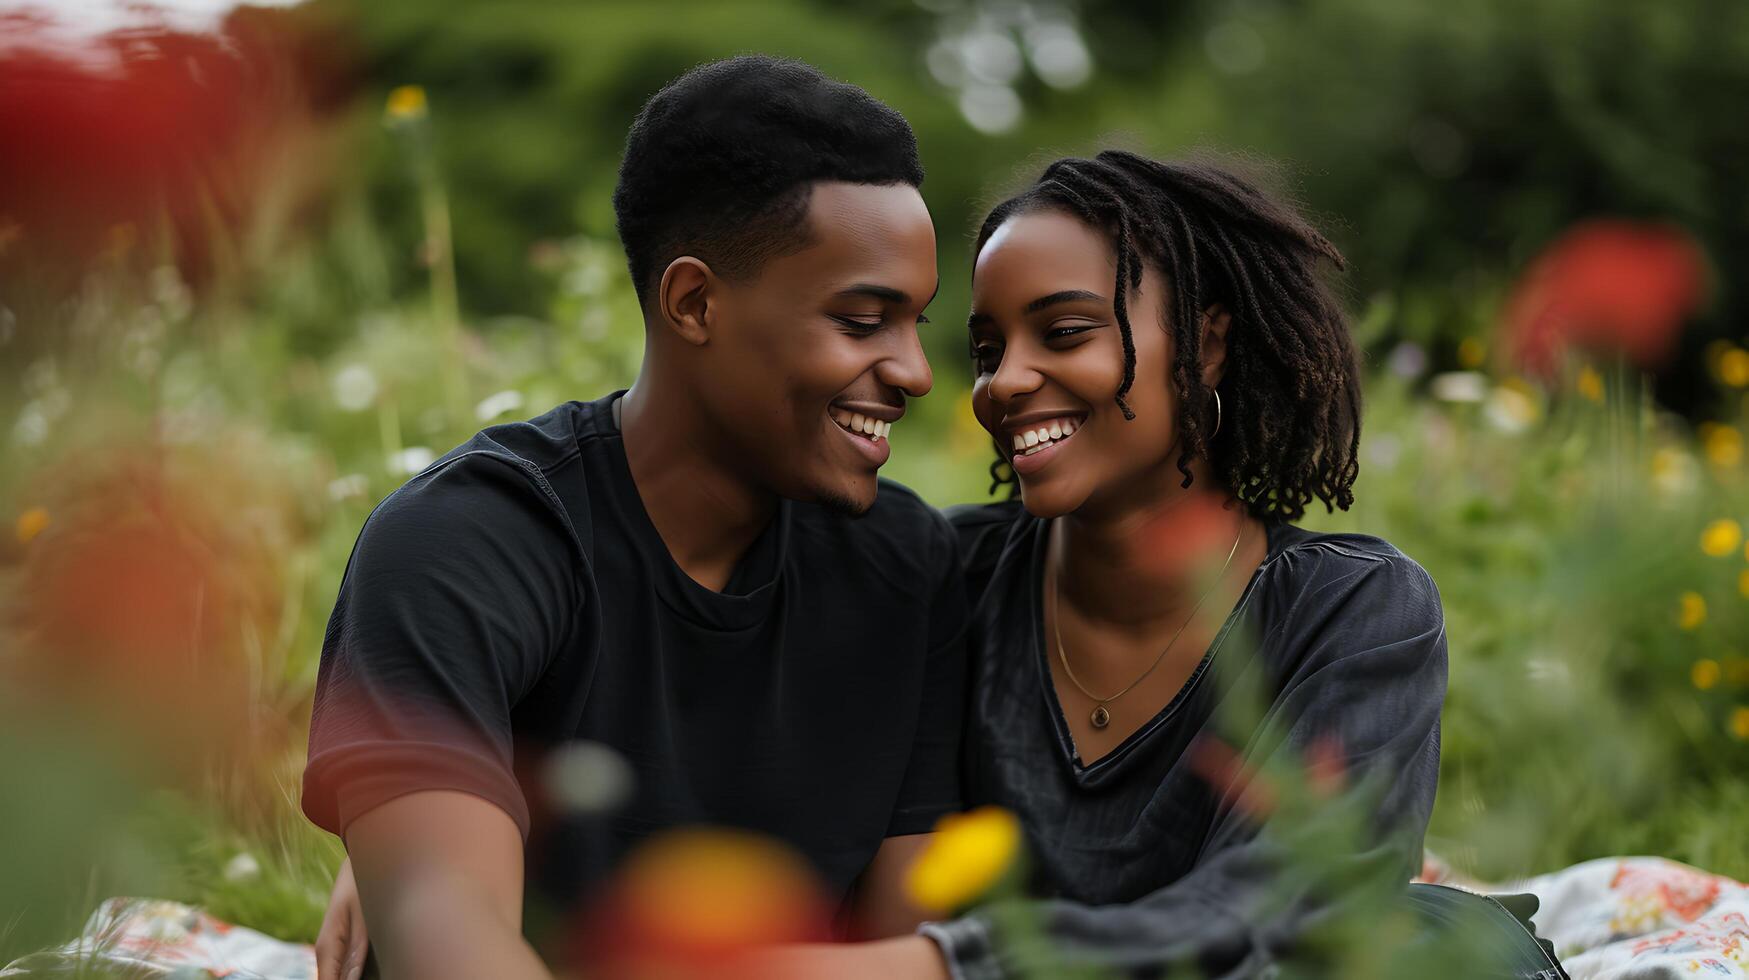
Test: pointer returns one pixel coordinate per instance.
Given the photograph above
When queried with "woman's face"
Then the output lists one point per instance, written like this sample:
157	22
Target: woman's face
1049	358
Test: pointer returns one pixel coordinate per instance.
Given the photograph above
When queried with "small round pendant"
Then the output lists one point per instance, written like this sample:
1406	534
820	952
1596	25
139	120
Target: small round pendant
1100	717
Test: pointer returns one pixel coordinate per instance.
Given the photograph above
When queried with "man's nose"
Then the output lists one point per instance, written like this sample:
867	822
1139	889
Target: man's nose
908	369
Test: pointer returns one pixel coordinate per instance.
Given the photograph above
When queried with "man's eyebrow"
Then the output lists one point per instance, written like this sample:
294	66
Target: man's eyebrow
1064	296
878	291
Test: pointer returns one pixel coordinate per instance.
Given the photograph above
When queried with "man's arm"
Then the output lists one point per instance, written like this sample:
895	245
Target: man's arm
878	907
440	878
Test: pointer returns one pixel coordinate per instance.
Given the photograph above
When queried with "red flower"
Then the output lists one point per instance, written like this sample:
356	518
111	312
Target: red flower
1614	286
150	135
696	903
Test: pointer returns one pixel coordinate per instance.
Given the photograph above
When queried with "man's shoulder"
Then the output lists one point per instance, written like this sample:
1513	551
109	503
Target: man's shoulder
506	477
545	443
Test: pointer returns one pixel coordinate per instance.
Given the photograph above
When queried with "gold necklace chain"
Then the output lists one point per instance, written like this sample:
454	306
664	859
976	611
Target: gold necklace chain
1101	715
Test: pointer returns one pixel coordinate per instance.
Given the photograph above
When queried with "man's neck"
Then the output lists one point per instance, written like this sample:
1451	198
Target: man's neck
706	516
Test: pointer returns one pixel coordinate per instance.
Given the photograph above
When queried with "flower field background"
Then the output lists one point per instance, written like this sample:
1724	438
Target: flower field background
257	270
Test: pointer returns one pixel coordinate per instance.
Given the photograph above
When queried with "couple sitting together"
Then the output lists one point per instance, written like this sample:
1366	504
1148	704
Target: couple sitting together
705	574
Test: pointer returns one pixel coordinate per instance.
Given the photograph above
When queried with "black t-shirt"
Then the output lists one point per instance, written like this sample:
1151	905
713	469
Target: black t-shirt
1344	638
515	596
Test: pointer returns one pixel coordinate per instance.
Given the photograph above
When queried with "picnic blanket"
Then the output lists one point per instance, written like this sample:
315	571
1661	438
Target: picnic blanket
134	937
1633	918
1624	918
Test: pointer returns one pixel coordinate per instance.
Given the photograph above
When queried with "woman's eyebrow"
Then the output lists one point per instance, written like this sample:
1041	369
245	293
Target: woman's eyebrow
1063	296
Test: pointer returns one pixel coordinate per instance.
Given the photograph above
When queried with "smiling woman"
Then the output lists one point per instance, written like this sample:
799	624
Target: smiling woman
1162	366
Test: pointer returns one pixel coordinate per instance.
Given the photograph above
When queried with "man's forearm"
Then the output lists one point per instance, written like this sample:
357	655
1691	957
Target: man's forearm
439	931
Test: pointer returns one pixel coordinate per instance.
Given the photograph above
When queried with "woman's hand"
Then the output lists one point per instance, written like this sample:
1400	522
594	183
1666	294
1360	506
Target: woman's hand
342	943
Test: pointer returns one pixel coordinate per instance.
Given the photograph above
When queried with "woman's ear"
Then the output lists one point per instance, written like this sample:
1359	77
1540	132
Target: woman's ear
684	299
1215	322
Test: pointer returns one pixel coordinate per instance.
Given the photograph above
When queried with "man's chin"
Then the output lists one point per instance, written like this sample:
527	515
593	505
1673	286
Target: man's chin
851	499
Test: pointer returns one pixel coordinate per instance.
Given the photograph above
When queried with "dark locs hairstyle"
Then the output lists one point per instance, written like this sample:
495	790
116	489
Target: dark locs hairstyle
1290	393
719	163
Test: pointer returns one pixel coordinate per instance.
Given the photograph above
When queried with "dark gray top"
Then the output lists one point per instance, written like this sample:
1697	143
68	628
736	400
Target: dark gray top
1345	639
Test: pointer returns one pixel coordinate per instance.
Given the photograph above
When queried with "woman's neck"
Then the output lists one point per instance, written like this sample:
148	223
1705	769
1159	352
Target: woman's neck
1150	560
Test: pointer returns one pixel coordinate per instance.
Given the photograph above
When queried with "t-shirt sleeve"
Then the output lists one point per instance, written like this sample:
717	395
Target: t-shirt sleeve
932	787
1370	684
461	587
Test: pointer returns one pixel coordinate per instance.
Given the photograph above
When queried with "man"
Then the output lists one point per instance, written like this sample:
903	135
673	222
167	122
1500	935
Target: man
698	574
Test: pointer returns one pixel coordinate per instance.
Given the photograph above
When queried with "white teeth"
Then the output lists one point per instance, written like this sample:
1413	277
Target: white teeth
1035	440
866	425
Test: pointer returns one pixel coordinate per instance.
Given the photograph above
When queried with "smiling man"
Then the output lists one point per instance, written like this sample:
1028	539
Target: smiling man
698	573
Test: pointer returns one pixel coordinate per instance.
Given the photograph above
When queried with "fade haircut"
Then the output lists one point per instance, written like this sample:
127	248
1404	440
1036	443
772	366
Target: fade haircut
1290	394
719	164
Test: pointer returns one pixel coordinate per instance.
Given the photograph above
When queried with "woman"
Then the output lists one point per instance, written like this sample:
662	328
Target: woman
1169	384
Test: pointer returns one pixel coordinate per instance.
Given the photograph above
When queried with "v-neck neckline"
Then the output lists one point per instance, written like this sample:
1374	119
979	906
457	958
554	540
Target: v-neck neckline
1088	772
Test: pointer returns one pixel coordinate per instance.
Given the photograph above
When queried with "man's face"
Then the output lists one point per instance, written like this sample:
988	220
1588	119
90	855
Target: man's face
823	338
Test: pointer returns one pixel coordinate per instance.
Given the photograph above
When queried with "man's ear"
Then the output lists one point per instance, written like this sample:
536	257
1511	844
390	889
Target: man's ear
684	299
1215	321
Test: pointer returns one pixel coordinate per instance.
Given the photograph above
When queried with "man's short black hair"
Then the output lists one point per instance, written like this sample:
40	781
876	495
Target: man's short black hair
719	163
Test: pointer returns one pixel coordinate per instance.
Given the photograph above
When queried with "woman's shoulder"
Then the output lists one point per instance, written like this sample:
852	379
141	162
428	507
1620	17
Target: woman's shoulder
984	531
1350	574
1340	553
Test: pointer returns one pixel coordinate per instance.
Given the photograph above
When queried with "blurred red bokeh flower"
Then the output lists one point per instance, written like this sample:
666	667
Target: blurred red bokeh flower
696	903
1612	286
153	599
158	138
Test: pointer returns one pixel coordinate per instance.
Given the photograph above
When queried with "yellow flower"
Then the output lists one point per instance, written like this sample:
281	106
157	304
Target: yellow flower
406	102
1590	384
1733	367
30	524
1704	674
966	858
1721	537
1743	583
1740	722
1693	612
1471	353
1723	444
